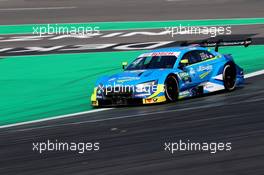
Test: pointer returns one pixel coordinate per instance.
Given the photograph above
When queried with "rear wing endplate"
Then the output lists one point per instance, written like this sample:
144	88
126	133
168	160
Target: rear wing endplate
221	43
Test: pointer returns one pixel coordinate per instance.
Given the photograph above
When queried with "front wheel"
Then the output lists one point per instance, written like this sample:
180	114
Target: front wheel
229	77
171	88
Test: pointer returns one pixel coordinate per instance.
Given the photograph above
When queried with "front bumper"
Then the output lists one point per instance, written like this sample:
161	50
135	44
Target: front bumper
124	100
127	101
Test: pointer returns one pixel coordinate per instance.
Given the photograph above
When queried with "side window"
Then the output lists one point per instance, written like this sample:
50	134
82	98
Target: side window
194	57
186	56
205	55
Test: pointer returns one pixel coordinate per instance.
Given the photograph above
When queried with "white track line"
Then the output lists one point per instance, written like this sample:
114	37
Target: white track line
96	110
253	74
37	8
56	117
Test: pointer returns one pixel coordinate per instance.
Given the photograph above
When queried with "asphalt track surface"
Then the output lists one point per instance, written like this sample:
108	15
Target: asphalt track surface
125	36
125	40
38	11
126	10
132	138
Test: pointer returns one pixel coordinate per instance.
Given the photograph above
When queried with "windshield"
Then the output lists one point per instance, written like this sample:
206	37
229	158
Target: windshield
155	62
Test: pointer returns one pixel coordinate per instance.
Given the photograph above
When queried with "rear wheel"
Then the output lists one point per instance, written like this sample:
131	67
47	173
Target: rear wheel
229	77
171	88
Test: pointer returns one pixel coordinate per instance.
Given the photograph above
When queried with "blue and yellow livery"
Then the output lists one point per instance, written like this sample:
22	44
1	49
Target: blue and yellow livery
168	74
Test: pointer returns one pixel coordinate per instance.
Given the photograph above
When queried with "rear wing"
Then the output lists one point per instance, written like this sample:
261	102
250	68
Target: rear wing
221	43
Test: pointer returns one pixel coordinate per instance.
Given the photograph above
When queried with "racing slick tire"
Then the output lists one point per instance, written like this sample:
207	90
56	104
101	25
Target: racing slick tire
171	88
229	77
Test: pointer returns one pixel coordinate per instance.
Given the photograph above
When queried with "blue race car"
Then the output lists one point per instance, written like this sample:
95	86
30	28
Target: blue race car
169	74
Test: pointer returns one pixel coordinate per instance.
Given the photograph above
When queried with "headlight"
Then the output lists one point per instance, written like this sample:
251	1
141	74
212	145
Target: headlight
146	87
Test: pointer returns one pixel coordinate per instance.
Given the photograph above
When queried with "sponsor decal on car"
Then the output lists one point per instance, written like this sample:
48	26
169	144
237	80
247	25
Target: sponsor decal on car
205	68
184	76
152	54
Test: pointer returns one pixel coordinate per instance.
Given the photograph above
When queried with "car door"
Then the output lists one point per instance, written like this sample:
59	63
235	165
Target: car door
191	68
205	66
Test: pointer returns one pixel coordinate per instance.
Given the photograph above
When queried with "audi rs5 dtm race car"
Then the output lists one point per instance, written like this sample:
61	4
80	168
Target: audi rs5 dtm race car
169	74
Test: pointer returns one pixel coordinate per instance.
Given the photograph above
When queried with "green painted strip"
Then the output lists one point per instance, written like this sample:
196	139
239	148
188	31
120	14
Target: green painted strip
133	25
36	87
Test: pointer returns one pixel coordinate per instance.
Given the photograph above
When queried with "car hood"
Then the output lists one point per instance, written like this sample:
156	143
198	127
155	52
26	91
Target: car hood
135	76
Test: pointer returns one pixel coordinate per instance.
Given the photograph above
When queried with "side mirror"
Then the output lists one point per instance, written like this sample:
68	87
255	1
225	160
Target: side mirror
124	65
184	61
